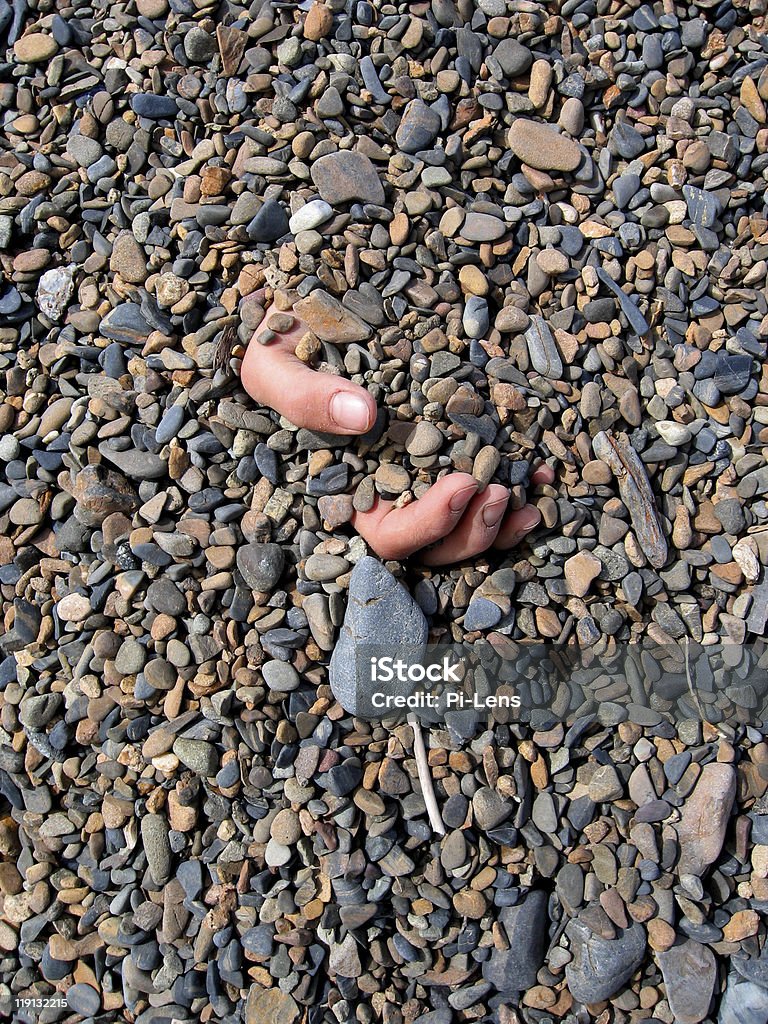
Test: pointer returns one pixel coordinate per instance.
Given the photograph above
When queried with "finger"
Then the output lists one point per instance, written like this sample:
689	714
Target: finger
274	376
398	532
516	525
543	474
476	531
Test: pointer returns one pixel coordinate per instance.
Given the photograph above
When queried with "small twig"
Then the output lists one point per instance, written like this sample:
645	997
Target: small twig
694	695
425	778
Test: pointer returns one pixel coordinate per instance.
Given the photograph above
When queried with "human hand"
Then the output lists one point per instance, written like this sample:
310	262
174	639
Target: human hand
452	519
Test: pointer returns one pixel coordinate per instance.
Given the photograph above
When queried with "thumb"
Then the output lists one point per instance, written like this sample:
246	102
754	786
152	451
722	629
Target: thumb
275	376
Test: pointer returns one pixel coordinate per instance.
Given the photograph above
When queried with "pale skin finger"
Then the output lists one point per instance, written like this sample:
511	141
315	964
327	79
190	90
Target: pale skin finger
274	376
477	530
398	532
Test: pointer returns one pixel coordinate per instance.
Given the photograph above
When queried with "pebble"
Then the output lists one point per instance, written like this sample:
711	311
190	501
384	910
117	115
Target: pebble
154	834
418	127
542	147
514	969
310	216
34	48
261	565
689	970
347	176
198	756
705	817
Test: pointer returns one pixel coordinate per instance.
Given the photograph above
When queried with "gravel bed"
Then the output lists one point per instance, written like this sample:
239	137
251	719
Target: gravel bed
533	231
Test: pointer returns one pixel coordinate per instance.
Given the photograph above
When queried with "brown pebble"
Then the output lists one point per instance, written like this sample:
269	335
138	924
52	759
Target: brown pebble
281	322
308	347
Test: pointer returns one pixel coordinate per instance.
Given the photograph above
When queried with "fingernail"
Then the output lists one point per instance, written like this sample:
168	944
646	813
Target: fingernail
492	513
460	498
350	411
529	517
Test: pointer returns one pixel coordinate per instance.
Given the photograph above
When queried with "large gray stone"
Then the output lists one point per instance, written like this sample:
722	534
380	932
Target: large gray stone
514	970
601	967
743	1002
689	970
381	613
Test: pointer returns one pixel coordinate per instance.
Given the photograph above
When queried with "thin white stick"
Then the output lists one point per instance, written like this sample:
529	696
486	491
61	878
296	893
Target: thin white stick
425	777
689	679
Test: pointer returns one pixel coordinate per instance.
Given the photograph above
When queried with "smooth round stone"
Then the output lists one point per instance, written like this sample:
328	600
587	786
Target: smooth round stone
170	424
199	46
261	565
83	150
542	147
418	127
286	828
322	568
310	216
481	614
280	676
425	440
482	227
154	108
34	48
673	433
197	755
83	999
276	855
553	262
476	318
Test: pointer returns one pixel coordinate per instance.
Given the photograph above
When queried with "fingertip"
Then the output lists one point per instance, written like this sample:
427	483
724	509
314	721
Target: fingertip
353	412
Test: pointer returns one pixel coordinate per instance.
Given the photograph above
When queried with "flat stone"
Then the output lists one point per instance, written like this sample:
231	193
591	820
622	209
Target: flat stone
514	970
330	320
482	227
601	967
689	970
425	440
542	147
154	834
154	108
125	323
704	818
542	350
347	176
580	571
134	463
270	1006
743	1002
34	48
732	372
